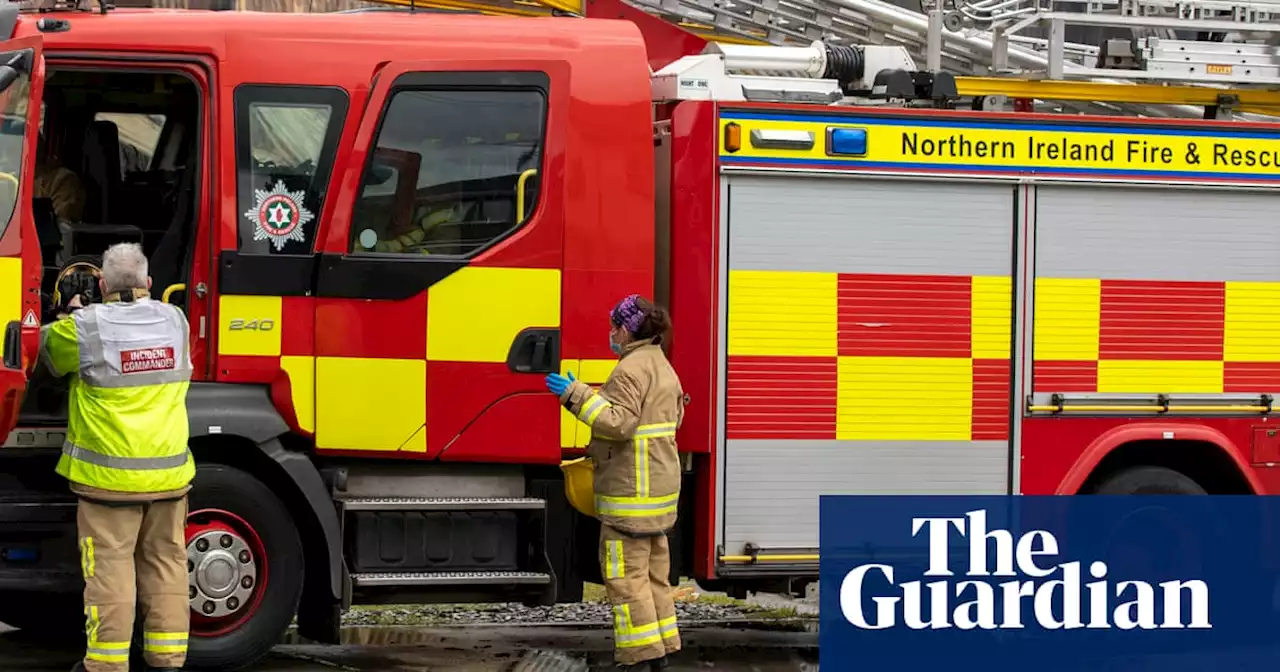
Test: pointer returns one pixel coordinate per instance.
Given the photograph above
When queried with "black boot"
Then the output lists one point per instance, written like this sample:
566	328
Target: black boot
659	664
635	667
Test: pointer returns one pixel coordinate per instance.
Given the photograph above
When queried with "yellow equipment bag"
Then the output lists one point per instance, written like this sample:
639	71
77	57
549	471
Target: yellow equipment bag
578	487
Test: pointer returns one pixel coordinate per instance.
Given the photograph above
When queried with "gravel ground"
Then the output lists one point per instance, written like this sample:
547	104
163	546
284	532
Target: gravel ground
491	649
692	606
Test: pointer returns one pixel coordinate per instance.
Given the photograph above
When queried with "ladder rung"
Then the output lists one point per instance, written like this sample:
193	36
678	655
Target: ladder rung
1169	48
1250	100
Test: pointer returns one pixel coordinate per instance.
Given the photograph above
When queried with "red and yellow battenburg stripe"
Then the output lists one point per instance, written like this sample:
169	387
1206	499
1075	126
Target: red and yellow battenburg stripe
1140	336
868	356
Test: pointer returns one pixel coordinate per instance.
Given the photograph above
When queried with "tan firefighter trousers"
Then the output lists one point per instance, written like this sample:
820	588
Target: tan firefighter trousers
134	553
635	573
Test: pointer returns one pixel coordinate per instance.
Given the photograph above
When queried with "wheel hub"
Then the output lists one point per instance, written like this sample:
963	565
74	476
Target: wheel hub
221	573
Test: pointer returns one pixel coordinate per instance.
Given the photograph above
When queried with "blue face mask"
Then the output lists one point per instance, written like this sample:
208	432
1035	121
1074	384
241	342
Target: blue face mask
613	346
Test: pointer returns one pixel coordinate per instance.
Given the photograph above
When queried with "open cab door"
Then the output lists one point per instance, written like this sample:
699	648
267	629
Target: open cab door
22	75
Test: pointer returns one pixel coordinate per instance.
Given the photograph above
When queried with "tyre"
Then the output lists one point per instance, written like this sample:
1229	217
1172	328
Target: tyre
245	564
1149	481
1127	550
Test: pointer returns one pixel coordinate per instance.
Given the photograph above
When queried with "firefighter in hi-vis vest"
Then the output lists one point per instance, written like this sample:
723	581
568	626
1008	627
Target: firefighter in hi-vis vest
633	420
127	460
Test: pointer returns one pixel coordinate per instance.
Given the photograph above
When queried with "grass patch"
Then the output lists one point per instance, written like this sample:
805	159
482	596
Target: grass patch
594	592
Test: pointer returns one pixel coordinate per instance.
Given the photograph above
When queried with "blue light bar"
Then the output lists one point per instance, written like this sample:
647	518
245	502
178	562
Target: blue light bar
846	141
18	554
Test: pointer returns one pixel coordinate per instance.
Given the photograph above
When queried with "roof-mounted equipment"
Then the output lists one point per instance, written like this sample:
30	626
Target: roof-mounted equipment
44	6
819	73
408	10
8	18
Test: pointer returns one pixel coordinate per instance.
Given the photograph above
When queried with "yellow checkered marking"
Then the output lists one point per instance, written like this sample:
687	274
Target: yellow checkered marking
10	289
904	398
991	316
1138	376
774	313
302	389
371	404
474	314
1252	322
573	433
1067	317
262	312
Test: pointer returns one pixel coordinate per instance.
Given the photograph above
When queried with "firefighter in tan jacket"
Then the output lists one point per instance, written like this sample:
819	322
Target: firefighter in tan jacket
633	420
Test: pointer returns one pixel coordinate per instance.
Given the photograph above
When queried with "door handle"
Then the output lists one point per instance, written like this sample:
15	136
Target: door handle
535	351
13	345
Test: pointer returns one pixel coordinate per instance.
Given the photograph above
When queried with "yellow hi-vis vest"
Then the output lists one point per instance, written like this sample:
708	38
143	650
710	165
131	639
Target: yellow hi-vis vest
131	366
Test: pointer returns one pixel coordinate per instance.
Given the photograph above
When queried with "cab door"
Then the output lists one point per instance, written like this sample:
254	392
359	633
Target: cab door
438	298
22	75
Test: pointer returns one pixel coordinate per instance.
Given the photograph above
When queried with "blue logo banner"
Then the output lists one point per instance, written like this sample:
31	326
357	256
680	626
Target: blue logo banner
1039	584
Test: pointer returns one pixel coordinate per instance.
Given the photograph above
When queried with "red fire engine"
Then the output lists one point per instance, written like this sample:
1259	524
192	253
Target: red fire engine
387	228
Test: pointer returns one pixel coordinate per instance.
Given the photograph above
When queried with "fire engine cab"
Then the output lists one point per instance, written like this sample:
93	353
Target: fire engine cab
386	228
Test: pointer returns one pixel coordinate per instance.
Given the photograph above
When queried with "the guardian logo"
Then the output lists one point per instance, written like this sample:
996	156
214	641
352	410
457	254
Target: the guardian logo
1057	602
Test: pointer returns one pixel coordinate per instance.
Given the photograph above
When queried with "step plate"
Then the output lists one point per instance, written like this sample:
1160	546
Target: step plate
442	503
449	579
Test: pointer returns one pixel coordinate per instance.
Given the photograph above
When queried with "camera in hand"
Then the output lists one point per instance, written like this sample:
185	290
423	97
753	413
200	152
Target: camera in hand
78	278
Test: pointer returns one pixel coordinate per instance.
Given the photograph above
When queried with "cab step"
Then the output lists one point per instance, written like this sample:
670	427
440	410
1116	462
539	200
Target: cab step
442	503
426	579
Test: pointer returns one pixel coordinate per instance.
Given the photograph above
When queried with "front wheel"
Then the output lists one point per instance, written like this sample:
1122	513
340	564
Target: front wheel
1149	481
245	569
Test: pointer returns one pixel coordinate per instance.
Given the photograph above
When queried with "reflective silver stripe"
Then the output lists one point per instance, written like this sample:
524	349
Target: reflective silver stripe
129	463
590	409
641	633
108	652
668	626
636	505
652	503
136	379
164	643
656	430
616	569
44	350
642	467
104	331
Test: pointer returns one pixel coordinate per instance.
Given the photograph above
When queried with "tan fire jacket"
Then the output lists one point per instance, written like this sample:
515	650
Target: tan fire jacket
633	420
64	188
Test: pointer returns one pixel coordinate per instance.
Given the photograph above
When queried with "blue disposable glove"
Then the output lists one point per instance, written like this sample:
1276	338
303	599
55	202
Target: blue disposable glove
558	383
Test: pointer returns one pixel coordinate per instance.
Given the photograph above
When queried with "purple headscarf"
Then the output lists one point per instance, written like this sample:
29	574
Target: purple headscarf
627	314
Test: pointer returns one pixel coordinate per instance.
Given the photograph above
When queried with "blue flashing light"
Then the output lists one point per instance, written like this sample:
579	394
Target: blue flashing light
847	141
19	554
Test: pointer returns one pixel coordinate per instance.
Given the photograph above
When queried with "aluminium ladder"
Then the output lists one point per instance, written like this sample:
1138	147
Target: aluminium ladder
979	39
980	42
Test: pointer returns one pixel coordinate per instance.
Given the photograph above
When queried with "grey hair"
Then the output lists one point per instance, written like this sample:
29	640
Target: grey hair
124	266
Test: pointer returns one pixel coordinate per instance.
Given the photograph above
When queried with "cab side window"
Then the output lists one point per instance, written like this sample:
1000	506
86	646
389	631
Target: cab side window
454	170
139	137
13	128
286	139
